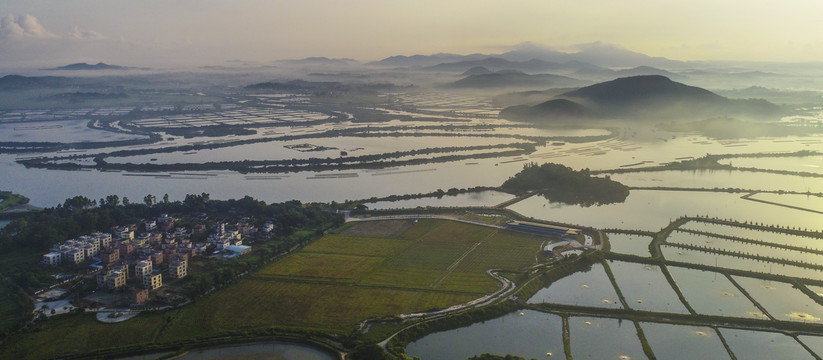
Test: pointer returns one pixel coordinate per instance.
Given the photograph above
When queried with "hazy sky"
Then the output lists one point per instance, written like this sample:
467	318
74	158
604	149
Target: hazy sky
152	32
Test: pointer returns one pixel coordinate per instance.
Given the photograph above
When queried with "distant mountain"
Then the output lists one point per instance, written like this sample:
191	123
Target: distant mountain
608	55
18	82
477	70
552	110
529	97
322	61
797	97
533	65
596	54
651	97
601	74
512	78
425	60
85	66
630	91
645	70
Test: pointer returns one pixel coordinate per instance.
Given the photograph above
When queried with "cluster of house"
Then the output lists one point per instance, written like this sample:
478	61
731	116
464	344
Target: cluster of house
160	249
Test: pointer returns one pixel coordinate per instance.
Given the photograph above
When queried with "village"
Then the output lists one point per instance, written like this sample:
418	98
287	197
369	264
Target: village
141	265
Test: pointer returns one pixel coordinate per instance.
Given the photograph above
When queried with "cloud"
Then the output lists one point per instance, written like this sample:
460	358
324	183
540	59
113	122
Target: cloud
77	33
23	26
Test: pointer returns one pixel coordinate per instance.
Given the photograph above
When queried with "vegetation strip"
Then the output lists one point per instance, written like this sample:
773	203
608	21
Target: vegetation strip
749	197
751	241
786	327
747	255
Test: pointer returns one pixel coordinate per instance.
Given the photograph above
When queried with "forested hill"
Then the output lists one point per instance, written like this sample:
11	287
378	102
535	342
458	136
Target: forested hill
563	184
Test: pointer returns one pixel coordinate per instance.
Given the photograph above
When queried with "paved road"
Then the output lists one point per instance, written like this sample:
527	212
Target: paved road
416	216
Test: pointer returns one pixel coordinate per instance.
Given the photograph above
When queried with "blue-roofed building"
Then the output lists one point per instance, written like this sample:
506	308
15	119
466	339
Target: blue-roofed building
543	229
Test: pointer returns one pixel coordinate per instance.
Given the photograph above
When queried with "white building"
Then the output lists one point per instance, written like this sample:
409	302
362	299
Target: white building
52	258
104	238
76	256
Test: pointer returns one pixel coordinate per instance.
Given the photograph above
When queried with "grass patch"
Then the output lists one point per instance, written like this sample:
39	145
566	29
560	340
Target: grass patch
355	245
379	229
9	200
323	266
77	333
283	303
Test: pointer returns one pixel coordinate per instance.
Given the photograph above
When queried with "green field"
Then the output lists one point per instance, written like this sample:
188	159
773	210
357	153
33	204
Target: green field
9	200
368	269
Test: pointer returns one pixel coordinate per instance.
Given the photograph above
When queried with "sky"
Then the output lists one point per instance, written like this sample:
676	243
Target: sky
211	32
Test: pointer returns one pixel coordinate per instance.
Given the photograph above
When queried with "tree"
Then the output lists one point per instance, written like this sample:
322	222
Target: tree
149	200
112	200
165	198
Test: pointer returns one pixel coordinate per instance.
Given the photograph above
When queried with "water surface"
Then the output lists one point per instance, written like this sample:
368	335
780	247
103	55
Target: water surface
645	287
712	293
604	338
531	335
755	345
670	341
585	288
652	210
630	244
782	300
482	198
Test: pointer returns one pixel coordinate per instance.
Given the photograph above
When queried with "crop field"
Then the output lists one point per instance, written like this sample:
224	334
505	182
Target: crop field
378	229
369	269
323	266
420	269
353	245
329	306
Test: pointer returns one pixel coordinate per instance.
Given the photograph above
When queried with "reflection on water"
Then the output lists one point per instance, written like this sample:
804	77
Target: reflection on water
645	287
782	300
324	148
757	345
587	288
812	164
630	244
723	244
58	131
604	338
712	293
483	198
732	262
692	342
531	335
722	179
813	342
652	210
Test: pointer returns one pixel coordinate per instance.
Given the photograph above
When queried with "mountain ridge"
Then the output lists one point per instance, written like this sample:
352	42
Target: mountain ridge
648	97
